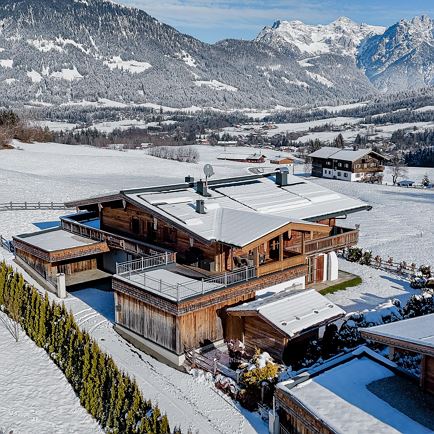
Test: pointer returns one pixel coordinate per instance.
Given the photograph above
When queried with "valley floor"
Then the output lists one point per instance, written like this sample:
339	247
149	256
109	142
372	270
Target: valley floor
399	225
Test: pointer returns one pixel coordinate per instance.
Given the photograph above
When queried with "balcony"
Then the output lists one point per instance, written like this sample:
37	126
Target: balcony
87	225
340	238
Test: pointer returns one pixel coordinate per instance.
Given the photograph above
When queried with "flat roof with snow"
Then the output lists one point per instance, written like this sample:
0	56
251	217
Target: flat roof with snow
414	333
292	312
52	240
341	399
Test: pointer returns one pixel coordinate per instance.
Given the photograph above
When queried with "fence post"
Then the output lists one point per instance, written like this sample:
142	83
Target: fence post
52	205
25	205
215	366
226	279
203	290
11	204
143	263
247	273
167	258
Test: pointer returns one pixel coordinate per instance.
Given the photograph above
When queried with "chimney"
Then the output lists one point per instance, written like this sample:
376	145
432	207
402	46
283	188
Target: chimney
201	188
282	178
200	206
189	179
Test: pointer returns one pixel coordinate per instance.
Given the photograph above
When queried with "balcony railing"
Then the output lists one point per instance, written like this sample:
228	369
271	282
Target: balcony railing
145	263
113	240
348	238
192	288
274	266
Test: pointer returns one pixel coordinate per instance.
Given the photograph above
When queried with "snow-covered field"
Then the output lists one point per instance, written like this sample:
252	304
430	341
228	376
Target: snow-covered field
399	225
35	396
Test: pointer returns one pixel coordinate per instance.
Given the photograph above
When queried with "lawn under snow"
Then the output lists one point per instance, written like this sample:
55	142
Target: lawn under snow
35	396
399	225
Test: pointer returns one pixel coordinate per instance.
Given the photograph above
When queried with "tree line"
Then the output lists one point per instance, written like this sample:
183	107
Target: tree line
107	393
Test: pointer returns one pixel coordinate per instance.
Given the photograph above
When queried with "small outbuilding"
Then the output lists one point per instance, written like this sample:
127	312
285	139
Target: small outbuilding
282	322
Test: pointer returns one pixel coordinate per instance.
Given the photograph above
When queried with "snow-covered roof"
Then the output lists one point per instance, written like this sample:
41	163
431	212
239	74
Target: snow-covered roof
418	331
52	240
340	398
342	154
239	210
293	312
240	157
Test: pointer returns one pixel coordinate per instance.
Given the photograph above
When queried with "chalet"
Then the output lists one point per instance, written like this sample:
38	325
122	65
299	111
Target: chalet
182	254
414	336
243	158
357	392
362	165
281	323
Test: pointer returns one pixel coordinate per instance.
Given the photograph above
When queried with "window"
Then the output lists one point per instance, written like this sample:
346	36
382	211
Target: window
135	225
346	175
339	173
346	165
339	164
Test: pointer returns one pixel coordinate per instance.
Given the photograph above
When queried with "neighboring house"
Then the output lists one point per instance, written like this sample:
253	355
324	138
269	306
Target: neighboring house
243	158
414	336
363	165
181	254
358	392
283	323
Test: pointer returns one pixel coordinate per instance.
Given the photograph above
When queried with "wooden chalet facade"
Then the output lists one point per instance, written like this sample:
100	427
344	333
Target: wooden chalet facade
363	165
180	255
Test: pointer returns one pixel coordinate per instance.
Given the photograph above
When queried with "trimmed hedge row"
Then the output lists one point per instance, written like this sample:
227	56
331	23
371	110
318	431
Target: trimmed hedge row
107	393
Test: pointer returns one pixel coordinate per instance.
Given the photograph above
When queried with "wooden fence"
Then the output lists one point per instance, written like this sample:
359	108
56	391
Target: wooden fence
20	206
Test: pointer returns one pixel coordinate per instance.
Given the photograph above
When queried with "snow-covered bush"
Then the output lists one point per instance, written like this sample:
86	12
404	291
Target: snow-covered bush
425	270
409	362
419	305
259	380
366	258
354	254
227	385
418	282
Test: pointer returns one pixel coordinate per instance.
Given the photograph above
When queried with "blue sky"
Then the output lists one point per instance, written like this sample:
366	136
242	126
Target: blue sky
213	20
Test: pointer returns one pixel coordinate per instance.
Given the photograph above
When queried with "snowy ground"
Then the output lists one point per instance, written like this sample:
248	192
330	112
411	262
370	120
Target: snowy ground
35	395
399	225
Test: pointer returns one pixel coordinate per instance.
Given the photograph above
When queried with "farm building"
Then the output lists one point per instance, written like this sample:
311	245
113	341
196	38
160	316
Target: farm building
243	158
182	254
357	392
362	165
282	161
414	336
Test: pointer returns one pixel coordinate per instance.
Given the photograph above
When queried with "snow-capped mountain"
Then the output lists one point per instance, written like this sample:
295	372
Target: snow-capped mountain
57	51
402	57
71	51
342	36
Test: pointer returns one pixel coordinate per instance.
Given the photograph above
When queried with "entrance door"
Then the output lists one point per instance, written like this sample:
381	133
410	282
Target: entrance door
319	268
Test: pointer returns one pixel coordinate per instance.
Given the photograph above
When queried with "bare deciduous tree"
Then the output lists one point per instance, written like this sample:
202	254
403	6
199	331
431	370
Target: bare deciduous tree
398	169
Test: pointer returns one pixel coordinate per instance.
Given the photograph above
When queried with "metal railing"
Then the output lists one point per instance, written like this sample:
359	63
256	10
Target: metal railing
145	263
20	206
7	245
182	290
233	277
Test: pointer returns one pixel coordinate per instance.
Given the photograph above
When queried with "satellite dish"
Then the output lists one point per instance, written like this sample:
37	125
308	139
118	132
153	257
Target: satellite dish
208	170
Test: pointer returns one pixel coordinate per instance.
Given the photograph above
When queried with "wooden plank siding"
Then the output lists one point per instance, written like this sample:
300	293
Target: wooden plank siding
295	418
190	323
427	374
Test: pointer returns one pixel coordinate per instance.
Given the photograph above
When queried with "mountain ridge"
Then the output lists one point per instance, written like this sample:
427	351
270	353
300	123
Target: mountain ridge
72	51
